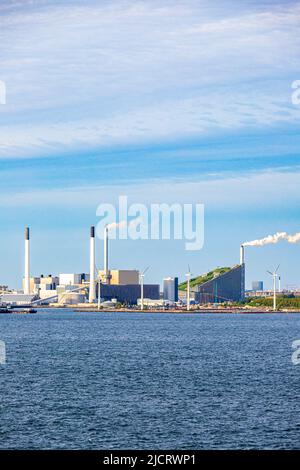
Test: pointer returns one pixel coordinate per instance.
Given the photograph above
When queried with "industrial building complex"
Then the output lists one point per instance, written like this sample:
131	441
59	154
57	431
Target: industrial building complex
126	287
117	286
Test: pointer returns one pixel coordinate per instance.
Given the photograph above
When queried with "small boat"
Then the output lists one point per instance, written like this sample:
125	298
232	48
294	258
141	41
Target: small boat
32	310
11	310
24	310
5	310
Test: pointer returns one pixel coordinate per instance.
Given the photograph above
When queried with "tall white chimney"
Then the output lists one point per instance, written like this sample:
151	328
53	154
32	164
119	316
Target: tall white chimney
242	255
27	263
107	276
243	271
92	293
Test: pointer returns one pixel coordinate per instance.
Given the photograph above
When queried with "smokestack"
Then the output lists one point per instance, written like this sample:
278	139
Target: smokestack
92	294
242	255
107	276
27	263
243	272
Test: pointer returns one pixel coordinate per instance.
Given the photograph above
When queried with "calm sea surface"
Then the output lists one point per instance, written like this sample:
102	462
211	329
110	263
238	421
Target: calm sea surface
142	381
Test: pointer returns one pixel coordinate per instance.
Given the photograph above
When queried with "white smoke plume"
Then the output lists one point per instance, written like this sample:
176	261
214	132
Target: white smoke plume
114	225
124	223
272	239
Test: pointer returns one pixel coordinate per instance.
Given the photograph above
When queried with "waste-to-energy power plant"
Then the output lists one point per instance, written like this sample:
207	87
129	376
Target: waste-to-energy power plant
225	284
122	285
127	286
219	285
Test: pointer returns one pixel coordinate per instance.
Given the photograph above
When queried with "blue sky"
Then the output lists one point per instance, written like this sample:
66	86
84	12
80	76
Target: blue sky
164	101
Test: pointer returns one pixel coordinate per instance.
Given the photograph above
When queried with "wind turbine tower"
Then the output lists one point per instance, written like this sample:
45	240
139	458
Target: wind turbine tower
142	275
188	291
274	276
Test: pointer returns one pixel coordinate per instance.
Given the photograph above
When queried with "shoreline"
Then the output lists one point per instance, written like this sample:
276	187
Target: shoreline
223	311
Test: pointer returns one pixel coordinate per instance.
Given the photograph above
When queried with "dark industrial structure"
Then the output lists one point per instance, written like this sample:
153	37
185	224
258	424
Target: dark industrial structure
129	293
225	287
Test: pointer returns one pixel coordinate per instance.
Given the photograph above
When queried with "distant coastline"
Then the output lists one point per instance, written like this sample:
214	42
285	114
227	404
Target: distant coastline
91	309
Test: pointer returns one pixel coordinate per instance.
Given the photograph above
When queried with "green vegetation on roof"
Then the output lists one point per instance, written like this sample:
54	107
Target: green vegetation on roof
196	281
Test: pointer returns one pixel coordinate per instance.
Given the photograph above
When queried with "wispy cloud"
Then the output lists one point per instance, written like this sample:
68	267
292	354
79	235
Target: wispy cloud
192	117
232	194
113	73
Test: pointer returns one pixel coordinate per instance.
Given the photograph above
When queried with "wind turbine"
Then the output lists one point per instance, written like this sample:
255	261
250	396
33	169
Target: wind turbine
142	275
274	276
188	300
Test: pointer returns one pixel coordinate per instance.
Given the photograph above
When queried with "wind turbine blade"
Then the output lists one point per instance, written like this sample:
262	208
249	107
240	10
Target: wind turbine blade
189	268
146	269
277	268
272	274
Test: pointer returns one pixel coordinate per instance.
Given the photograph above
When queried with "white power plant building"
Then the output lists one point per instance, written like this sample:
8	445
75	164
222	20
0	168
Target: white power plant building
73	279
